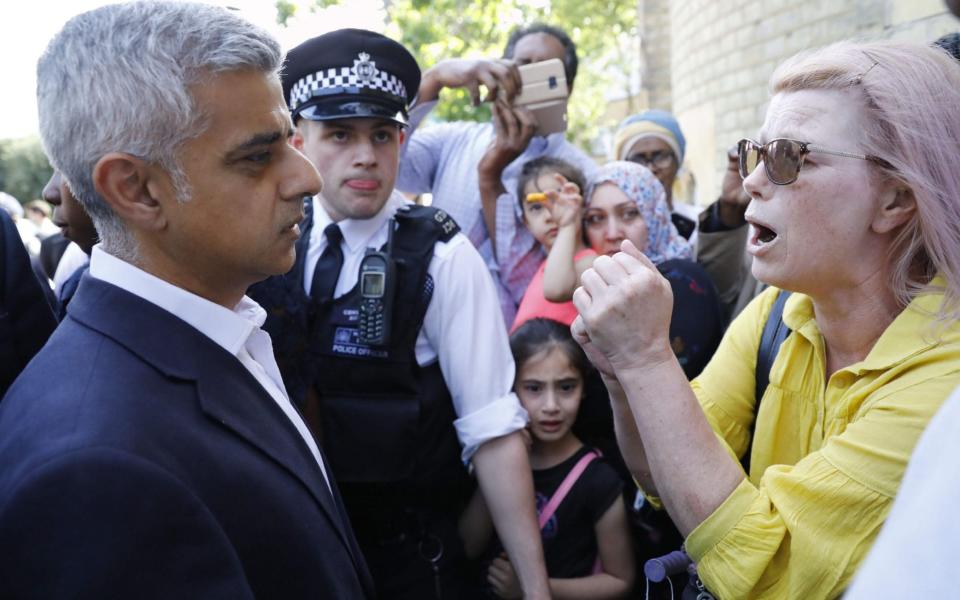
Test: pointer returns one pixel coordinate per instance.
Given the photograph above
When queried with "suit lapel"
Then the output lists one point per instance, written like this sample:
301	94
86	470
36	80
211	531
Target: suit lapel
228	393
239	403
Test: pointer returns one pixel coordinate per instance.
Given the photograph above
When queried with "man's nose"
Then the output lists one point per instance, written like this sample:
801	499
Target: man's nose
51	191
302	178
364	154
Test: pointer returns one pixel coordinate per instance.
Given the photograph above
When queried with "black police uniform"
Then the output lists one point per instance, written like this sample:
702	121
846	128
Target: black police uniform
385	422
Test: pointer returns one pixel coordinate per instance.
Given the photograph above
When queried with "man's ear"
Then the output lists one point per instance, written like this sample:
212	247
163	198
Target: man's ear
897	206
124	182
402	136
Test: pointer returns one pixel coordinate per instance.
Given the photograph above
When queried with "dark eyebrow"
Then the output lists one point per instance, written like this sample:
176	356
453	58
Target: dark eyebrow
258	140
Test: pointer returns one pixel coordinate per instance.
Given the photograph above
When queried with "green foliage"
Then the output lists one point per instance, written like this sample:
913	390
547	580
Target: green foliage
605	32
285	10
24	169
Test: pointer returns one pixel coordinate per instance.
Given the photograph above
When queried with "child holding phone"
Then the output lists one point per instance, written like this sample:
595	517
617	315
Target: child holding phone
586	540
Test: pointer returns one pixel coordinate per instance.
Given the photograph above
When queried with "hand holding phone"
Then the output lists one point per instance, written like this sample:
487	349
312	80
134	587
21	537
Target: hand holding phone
544	93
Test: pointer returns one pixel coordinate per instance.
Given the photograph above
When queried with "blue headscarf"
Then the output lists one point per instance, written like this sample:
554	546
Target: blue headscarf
664	242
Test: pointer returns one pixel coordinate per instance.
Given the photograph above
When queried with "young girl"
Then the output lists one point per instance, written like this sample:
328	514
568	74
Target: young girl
549	192
586	540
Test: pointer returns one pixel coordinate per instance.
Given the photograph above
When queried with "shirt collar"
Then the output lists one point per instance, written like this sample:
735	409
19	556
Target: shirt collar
357	233
911	332
227	328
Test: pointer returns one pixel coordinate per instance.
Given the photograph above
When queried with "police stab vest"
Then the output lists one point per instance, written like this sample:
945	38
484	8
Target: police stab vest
386	423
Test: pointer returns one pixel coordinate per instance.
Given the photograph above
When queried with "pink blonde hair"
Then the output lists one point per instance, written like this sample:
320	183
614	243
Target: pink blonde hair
911	95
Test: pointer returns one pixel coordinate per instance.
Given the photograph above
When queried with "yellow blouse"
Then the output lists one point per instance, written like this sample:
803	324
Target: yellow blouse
827	461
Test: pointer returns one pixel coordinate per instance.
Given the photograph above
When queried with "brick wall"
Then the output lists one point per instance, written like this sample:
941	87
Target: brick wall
720	53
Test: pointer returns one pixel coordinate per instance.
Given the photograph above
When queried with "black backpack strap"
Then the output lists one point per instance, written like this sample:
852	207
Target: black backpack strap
774	332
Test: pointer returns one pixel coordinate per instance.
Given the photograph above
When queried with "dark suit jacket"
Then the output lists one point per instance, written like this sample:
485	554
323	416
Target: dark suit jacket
141	460
26	318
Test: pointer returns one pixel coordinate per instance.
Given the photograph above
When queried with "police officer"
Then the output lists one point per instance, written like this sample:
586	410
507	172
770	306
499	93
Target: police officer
404	372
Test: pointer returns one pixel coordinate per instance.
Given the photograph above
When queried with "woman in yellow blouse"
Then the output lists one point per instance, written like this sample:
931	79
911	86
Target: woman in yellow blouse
855	207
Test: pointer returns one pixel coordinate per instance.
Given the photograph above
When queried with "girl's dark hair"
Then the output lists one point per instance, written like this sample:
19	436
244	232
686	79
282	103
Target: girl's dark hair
532	169
536	335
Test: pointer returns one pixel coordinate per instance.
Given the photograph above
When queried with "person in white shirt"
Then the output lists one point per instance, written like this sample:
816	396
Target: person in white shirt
465	165
388	331
150	448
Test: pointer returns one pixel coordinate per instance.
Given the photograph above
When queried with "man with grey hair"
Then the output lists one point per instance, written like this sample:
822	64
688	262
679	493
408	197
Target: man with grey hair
150	448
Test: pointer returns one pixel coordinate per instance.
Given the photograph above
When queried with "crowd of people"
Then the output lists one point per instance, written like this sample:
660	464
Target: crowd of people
249	365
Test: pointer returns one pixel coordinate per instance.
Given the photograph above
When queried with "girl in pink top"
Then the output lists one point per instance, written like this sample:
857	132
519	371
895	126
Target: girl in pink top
549	191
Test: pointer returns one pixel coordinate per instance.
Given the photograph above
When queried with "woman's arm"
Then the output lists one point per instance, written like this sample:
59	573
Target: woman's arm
625	304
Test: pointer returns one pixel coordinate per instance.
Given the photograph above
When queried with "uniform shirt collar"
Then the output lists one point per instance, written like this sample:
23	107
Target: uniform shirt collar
357	233
227	328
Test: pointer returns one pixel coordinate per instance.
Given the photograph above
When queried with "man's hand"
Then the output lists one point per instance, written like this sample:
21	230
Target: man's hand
625	306
500	77
733	199
503	579
513	129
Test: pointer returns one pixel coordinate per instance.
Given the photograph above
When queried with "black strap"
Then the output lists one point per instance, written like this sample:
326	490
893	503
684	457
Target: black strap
774	332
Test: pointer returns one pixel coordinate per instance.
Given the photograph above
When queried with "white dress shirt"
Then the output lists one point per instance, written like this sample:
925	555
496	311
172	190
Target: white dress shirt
462	328
73	258
237	331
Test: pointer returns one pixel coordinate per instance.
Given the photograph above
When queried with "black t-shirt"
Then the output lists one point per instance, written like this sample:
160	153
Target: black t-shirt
569	540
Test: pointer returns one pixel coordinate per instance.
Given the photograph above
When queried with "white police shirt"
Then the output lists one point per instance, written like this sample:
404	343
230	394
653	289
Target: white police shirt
462	328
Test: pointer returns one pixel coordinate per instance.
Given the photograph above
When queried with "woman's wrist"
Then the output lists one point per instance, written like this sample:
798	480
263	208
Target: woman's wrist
643	364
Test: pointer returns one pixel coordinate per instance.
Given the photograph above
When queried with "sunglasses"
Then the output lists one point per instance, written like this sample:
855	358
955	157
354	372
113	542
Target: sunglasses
783	158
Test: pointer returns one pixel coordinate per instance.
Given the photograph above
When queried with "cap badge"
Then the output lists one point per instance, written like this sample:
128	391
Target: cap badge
364	68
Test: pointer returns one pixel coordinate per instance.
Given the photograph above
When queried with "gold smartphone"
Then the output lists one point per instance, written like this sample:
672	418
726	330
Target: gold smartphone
545	93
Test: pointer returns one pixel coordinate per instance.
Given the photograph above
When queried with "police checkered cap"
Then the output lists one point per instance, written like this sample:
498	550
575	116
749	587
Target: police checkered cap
344	77
350	73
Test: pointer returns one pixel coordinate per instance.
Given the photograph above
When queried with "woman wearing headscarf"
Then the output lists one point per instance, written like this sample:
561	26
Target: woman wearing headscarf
716	233
626	202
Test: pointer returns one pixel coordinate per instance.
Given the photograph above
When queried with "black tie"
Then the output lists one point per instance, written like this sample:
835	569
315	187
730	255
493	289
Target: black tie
328	267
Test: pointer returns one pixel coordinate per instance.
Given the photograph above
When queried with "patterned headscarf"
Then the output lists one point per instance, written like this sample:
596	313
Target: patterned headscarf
639	184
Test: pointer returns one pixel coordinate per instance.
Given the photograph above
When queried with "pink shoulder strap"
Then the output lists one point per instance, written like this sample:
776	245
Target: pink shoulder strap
565	486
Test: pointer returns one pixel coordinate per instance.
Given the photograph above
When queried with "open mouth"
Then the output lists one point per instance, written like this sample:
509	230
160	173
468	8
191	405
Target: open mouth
765	235
762	234
550	425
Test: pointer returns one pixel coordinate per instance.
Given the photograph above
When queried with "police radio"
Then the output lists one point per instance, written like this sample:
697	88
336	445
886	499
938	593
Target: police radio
377	285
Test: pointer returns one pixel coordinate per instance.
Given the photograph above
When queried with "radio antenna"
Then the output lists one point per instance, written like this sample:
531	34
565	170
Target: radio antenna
393	224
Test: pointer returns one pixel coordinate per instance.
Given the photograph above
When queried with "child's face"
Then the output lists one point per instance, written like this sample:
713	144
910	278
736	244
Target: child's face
611	218
538	216
550	389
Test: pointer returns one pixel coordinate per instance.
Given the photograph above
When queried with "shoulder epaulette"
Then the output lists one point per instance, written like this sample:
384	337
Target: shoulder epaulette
445	224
